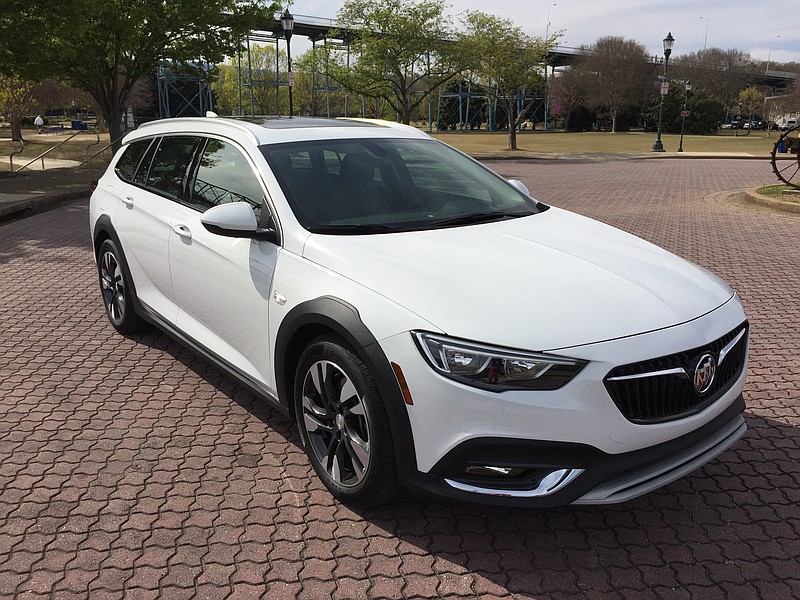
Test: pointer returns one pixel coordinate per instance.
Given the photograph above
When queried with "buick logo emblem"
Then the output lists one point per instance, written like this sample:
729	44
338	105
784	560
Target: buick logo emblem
704	373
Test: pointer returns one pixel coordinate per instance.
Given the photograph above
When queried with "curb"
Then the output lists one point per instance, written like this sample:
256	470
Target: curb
525	155
39	203
756	198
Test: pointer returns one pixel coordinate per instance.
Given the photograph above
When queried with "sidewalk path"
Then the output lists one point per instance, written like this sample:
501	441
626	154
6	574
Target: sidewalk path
35	191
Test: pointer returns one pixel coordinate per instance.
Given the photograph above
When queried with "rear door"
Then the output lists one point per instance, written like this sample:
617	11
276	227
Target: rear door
143	222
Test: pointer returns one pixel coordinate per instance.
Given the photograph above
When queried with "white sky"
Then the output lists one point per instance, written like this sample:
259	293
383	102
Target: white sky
763	28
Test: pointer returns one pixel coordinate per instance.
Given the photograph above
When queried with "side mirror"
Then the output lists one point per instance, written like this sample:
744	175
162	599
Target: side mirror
237	220
519	186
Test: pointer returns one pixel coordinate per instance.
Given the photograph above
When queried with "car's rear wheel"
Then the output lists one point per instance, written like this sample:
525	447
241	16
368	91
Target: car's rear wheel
116	290
343	423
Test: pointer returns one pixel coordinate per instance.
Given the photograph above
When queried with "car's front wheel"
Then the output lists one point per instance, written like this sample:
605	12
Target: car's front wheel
343	423
116	290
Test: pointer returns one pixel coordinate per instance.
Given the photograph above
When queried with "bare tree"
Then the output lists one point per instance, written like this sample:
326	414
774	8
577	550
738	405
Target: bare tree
723	73
778	107
619	75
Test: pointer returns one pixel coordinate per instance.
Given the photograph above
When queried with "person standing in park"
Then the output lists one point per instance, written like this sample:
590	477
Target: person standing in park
39	122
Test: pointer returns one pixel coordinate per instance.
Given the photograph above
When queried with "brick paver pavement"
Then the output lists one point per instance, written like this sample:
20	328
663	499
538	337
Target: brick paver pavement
132	468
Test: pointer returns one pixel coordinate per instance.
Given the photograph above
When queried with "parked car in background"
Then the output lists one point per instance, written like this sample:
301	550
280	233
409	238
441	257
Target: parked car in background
426	323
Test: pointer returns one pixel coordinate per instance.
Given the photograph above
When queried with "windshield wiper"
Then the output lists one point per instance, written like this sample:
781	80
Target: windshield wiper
354	229
478	217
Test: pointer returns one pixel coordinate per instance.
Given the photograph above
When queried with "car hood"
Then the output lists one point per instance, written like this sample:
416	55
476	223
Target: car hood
544	282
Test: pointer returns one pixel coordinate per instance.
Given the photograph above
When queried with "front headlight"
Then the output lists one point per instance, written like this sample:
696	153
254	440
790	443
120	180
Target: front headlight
493	368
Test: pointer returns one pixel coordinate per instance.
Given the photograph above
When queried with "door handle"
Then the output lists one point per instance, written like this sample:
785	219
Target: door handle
183	231
128	201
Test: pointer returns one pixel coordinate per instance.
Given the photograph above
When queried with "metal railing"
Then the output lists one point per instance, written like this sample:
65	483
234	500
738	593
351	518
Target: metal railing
21	143
42	156
58	145
103	149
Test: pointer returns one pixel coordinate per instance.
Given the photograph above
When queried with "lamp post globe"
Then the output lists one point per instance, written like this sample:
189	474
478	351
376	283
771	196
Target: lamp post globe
669	41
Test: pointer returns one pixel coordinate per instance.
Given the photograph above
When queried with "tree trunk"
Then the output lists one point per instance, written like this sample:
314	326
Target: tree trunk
405	118
112	115
115	132
16	127
613	121
512	124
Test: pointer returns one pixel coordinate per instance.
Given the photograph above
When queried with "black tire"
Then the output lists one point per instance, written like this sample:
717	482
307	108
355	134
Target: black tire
343	424
115	288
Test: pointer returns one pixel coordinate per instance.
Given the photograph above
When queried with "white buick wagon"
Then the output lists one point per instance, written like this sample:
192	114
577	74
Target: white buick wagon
426	323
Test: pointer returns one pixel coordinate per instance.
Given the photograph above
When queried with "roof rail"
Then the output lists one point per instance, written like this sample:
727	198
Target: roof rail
381	122
240	125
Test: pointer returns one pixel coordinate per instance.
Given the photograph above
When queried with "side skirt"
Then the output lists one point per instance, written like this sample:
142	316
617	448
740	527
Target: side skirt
241	377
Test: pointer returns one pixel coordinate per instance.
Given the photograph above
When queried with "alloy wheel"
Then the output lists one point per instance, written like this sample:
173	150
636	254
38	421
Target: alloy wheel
336	423
112	286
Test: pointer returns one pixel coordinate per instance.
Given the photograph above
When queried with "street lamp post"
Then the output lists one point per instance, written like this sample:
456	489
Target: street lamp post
546	61
705	39
687	87
769	56
287	22
669	41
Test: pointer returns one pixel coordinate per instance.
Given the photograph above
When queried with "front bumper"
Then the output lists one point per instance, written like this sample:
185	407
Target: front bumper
573	444
600	478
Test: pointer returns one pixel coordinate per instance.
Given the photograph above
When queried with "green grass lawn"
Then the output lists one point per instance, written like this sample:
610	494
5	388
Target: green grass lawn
758	143
777	191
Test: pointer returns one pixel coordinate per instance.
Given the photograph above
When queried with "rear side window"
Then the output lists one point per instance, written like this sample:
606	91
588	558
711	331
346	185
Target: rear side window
170	166
224	175
132	156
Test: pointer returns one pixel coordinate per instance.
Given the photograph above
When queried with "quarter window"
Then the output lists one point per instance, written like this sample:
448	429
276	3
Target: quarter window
224	175
127	165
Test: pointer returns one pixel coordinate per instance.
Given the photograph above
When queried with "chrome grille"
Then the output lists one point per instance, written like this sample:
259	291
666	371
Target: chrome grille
662	389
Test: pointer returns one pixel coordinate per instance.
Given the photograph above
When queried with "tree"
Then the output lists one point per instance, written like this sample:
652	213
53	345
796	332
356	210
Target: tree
706	112
568	92
724	73
24	98
619	75
16	99
500	52
108	45
791	100
750	102
229	91
400	51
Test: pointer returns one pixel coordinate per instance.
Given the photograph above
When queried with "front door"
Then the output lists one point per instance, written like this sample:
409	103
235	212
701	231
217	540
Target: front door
222	285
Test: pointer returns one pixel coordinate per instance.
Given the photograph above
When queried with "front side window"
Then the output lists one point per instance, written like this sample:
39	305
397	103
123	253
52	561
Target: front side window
387	185
170	166
224	175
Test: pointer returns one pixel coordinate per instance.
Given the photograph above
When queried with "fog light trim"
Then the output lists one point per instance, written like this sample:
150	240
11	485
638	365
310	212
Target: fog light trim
549	484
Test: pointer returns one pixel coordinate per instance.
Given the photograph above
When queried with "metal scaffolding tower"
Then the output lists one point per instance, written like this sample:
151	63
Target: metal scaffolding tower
182	93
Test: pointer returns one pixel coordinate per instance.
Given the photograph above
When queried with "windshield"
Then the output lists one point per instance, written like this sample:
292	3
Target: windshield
388	185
